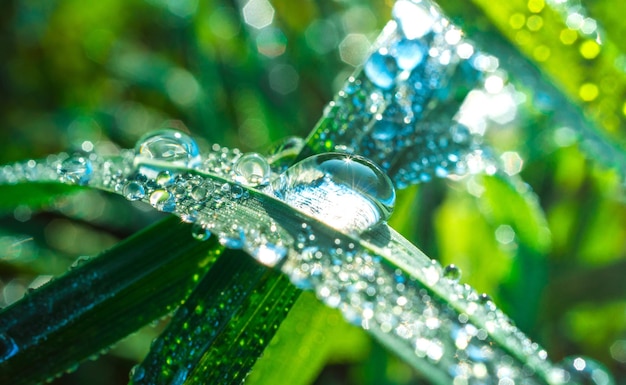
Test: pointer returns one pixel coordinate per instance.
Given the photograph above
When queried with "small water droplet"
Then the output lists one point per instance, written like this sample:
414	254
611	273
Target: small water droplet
409	53
346	192
237	191
452	273
162	200
269	254
415	20
199	232
234	238
171	147
252	169
199	193
381	69
586	371
137	373
164	178
134	191
75	170
8	347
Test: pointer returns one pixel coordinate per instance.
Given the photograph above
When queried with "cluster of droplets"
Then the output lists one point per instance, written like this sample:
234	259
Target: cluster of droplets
396	292
398	111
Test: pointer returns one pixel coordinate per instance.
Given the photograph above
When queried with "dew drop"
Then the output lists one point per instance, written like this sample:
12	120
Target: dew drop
163	200
452	273
164	178
234	238
171	147
347	192
409	53
381	70
75	170
134	191
199	232
8	347
137	373
586	371
414	20
252	169
269	254
199	193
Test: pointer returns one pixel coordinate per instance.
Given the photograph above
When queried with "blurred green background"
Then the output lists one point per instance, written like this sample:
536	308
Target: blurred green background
82	76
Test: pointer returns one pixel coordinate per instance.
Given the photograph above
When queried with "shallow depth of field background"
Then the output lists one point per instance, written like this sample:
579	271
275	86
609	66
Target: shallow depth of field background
83	76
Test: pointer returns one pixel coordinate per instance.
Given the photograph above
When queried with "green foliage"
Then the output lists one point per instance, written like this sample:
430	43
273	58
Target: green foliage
78	75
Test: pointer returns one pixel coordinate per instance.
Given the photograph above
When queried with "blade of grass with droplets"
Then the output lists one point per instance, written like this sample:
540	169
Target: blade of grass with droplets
522	52
222	328
102	301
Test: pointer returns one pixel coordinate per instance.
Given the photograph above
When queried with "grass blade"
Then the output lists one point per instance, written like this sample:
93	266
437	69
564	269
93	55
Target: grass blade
141	279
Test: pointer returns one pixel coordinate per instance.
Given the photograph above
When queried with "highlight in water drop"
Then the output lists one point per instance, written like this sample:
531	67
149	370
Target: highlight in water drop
347	192
75	170
170	147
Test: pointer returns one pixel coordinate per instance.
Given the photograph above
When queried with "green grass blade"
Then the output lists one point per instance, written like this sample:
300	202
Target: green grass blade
222	328
94	305
310	336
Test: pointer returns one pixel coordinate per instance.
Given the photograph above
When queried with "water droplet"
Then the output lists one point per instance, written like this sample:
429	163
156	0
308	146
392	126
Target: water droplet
233	239
252	169
8	347
75	170
137	373
164	178
346	192
586	371
409	53
452	273
163	200
381	69
134	191
199	232
414	20
269	254
199	193
167	146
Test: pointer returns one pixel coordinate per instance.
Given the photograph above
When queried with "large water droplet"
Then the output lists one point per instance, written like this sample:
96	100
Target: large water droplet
346	192
586	371
252	169
381	70
8	347
167	148
75	170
